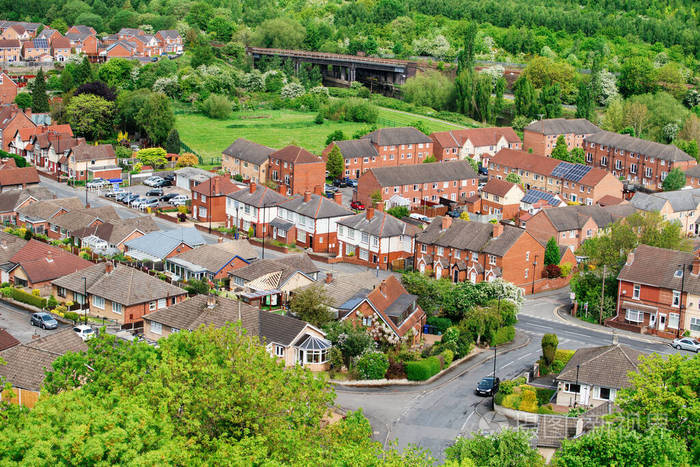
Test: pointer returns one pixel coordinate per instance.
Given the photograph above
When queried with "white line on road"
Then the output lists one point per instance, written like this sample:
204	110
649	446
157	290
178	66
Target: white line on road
461	430
507	364
525	356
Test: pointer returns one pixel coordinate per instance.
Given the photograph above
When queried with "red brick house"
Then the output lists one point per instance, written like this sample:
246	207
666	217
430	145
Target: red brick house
359	155
454	180
36	216
170	41
638	161
310	221
501	198
541	136
477	143
121	48
34	49
61	49
575	183
692	176
22	177
389	312
473	251
8	89
21	143
658	293
297	169
12	118
209	199
255	207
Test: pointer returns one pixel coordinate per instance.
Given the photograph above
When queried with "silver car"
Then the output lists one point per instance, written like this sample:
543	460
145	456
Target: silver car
687	343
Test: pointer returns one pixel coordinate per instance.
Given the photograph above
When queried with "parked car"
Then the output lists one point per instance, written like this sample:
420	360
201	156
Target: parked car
84	331
340	183
151	181
44	321
155	192
483	170
687	343
351	182
149	203
487	386
419	217
179	200
170	177
163	182
97	183
114	193
455	213
121	196
135	202
357	205
330	189
168	197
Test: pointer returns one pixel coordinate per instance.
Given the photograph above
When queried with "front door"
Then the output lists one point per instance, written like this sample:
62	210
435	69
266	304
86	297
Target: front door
357	173
311	241
652	320
301	357
455	276
662	322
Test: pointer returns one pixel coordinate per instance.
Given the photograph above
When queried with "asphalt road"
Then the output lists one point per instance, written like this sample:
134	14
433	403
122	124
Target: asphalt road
432	416
16	322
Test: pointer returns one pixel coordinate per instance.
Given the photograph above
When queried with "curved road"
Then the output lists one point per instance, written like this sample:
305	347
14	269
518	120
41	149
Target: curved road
433	415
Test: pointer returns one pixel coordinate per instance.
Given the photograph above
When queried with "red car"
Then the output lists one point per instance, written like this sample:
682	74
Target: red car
357	205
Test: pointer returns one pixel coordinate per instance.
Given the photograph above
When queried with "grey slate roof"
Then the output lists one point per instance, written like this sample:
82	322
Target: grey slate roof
130	286
318	207
262	196
248	151
45	209
605	366
472	236
647	202
396	136
562	126
79	219
424	173
11	198
158	244
693	171
115	232
74	281
288	265
281	224
345	288
192	313
667	152
212	257
9	245
381	225
357	148
680	200
573	217
657	267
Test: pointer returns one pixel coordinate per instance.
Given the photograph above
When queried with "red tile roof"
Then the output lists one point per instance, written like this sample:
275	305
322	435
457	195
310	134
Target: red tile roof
21	176
42	262
498	187
479	137
220	185
295	155
523	160
7	340
7	43
61	43
26	133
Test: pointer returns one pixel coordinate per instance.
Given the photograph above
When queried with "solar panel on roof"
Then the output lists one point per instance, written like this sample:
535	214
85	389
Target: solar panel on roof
532	196
41	44
569	171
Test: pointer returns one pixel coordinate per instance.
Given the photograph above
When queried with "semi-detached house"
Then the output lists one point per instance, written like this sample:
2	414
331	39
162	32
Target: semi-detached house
297	170
682	206
477	143
247	159
255	207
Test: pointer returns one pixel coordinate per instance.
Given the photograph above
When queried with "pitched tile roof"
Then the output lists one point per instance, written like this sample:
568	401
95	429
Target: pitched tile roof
479	137
693	171
74	281
522	160
574	217
10	199
472	236
172	33
7	340
423	173
667	152
318	207
8	43
159	244
680	200
115	233
347	290
262	196
84	29
42	262
46	209
220	185
356	148
295	155
562	126
79	219
248	151
287	266
61	42
396	136
130	286
605	366
214	258
391	300
18	176
499	187
87	152
381	224
268	327
659	267
26	363
9	246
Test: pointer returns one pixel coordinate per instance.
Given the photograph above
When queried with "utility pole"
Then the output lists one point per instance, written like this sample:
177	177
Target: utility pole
680	303
602	297
493	393
209	211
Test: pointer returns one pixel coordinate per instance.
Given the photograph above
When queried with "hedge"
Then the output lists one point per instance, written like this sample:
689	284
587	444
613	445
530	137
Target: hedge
441	324
422	369
503	335
24	297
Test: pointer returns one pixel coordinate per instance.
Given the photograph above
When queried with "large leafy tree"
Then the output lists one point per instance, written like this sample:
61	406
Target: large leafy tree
675	180
465	57
561	150
525	97
90	116
311	305
585	104
637	76
116	72
335	163
155	157
156	117
40	100
550	101
23	100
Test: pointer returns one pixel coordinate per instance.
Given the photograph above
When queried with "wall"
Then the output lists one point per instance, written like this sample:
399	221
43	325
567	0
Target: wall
25	397
247	170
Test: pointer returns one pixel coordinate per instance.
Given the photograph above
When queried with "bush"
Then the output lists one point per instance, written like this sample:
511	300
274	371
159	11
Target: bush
551	271
292	90
72	315
512	401
464	345
422	369
24	297
549	347
544	395
335	357
563	355
352	110
372	365
52	302
441	324
528	401
504	335
498	398
566	269
557	366
217	106
447	356
396	370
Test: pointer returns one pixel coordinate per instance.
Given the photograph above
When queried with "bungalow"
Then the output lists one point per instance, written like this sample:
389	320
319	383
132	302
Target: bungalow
158	245
247	159
9	246
114	235
36	216
594	375
12	200
345	291
293	341
209	198
26	364
18	178
36	264
120	293
65	225
254	208
211	262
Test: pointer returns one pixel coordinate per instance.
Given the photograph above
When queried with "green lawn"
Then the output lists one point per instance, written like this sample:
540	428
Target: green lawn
278	128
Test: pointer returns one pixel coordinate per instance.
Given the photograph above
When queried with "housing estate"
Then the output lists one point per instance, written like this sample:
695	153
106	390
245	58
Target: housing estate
477	143
501	198
159	245
247	159
541	136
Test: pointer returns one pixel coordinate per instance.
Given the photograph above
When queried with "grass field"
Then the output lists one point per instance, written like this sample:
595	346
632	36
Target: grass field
278	128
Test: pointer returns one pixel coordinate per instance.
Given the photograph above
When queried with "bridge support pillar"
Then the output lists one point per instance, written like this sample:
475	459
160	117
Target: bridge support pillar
352	73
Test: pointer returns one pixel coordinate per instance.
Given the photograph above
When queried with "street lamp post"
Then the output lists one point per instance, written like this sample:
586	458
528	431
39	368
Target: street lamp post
85	300
493	393
534	273
680	304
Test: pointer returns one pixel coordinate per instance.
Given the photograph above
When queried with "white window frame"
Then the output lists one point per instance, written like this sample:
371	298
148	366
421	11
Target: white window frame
156	328
152	305
636	291
634	316
98	302
117	308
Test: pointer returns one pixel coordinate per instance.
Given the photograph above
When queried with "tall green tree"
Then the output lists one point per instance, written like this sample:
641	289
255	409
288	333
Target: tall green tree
637	76
465	92
561	150
156	117
66	80
311	305
525	97
498	103
155	157
172	144
550	101
40	100
585	101
675	180
83	73
551	252
23	100
549	344
90	116
335	163
465	57
482	98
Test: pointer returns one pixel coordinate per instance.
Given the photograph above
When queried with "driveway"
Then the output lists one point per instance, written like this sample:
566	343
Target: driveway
16	322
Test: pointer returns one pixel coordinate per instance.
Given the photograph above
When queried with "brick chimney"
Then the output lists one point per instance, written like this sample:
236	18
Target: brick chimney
630	258
109	267
211	301
369	213
329	277
253	187
497	229
379	206
214	186
696	265
446	222
307	196
338	197
318	190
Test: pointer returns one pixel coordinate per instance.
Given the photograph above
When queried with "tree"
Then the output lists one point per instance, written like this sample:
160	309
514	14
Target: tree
83	72
187	159
97	88
510	448
550	101
513	178
40	100
465	57
675	180
524	97
577	156
217	106
543	72
482	97
398	212
311	305
689	147
464	91
376	197
221	28
116	72
372	365
429	89
420	126
66	80
337	135
90	116
636	116
202	54
549	347
584	101
614	119
352	341
196	286
481	322
155	157
156	117
172	144
279	33
23	100
560	150
637	76
551	252
498	103
335	163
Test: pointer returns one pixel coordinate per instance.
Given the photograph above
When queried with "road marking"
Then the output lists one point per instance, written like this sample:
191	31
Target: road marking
507	364
525	356
464	425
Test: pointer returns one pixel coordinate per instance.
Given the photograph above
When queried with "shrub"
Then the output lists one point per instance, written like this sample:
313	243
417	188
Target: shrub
72	315
528	400
292	90
447	356
498	398
557	366
423	369
564	355
546	410
396	370
36	292
549	347
217	106
24	297
353	110
552	271
52	302
544	395
511	401
464	345
335	357
319	119
504	335
566	269
372	365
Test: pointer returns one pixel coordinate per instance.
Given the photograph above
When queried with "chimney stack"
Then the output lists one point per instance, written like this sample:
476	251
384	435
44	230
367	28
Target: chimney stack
215	186
338	197
446	222
318	190
497	229
630	258
253	187
109	267
329	277
307	196
211	301
369	213
696	265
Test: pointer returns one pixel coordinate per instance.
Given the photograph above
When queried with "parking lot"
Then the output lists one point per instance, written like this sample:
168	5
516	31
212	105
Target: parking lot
143	190
16	322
